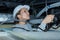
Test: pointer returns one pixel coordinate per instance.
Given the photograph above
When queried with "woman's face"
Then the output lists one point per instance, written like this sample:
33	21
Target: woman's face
24	14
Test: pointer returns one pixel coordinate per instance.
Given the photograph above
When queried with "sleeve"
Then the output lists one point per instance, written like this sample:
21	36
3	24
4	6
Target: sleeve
42	26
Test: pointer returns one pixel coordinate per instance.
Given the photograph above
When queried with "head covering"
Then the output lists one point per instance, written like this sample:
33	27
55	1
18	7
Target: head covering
18	8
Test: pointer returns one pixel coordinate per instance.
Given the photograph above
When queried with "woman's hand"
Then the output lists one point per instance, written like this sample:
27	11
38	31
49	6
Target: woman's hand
48	19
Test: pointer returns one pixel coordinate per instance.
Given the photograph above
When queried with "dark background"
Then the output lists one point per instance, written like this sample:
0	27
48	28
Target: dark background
7	6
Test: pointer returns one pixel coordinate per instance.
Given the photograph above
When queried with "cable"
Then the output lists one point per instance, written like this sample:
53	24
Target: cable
46	6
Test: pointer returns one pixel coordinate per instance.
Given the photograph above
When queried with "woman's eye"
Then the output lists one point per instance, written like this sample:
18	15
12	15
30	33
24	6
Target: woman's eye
24	11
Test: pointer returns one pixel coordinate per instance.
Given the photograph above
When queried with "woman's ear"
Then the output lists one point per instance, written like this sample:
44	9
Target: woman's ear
19	16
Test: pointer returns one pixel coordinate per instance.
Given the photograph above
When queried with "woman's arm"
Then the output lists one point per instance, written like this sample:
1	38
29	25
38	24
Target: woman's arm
36	21
48	19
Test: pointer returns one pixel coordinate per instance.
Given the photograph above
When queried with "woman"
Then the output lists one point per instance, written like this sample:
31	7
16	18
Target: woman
21	14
